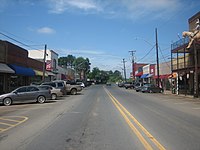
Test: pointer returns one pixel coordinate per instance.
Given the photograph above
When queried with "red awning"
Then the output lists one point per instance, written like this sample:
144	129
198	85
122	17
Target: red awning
138	74
165	76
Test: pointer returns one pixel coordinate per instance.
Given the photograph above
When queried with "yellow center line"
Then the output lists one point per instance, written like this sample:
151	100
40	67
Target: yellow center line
134	129
135	120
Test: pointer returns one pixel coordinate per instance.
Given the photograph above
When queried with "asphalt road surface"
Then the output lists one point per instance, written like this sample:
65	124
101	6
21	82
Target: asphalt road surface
103	118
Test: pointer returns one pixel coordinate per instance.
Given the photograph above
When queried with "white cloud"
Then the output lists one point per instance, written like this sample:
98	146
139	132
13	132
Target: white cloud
97	58
134	9
60	6
46	30
152	8
86	5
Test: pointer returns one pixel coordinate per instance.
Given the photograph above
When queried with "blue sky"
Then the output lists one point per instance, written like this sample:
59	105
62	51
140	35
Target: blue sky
101	30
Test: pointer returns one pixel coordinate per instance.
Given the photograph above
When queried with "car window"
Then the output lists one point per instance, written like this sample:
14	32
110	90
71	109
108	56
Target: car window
60	84
30	89
51	84
43	87
20	90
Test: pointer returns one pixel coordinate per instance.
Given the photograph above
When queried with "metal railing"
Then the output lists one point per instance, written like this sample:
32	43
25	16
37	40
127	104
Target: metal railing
180	43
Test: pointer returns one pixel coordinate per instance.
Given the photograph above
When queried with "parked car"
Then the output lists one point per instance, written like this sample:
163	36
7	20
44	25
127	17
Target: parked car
54	92
25	94
151	88
121	84
108	84
81	84
138	86
58	85
128	85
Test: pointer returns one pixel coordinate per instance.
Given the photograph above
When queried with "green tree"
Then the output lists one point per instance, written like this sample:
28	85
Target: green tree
66	61
82	66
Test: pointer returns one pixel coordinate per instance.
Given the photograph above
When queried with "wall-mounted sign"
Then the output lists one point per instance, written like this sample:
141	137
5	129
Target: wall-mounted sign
48	65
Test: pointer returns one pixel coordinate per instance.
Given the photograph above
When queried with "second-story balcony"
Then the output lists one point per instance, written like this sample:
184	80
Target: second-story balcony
180	46
182	58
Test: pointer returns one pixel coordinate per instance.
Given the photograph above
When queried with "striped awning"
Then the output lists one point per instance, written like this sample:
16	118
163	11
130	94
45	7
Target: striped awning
50	73
40	73
144	76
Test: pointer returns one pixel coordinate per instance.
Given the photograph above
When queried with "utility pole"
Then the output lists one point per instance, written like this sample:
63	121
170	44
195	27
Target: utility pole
44	64
133	63
124	69
196	86
157	59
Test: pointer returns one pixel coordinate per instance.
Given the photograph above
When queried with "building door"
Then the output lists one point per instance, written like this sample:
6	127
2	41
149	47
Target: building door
2	90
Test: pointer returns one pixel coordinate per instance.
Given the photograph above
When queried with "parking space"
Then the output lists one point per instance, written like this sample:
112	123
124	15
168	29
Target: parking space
8	122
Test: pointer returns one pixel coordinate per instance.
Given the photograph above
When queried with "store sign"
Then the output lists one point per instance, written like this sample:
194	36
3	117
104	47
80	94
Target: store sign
48	65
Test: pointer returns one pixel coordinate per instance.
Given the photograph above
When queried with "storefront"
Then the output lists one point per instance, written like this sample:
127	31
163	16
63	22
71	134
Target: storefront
21	77
5	73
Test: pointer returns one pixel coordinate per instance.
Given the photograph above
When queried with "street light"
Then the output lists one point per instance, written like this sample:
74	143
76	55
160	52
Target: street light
76	66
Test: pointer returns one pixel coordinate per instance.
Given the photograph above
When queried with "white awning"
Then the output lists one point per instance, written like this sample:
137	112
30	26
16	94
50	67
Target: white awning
5	69
50	73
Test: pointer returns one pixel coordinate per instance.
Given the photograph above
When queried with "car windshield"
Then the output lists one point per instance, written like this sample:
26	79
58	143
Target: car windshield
100	74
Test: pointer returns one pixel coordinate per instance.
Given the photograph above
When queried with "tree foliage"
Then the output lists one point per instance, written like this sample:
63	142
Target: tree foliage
66	61
101	76
80	64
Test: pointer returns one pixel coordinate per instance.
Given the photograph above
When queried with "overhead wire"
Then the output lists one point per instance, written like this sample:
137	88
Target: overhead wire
147	53
163	57
20	42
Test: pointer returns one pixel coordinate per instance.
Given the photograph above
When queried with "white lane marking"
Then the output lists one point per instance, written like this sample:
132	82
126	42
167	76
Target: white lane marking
181	103
196	108
164	100
196	102
75	112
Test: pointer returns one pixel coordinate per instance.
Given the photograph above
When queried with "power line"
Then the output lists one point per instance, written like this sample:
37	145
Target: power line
19	42
163	57
147	53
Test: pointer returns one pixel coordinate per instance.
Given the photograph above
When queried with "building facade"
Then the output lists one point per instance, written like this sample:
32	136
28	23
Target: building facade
186	63
16	68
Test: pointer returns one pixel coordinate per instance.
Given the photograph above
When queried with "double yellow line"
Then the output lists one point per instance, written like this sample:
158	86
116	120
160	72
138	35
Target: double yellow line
128	117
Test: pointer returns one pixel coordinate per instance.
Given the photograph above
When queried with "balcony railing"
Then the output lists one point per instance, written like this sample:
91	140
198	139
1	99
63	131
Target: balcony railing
180	43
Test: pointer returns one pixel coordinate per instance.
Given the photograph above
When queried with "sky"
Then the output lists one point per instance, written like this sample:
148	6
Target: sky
102	30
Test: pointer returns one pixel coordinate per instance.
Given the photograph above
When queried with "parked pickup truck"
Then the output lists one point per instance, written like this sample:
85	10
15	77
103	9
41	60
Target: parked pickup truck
73	89
65	86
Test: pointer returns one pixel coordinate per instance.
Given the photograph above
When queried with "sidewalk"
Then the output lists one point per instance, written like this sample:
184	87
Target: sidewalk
167	92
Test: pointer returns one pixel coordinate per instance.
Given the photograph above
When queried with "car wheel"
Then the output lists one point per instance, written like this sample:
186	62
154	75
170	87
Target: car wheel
73	92
150	91
41	99
137	91
53	96
161	91
7	101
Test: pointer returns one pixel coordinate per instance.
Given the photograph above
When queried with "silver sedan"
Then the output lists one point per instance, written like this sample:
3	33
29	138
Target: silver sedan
25	94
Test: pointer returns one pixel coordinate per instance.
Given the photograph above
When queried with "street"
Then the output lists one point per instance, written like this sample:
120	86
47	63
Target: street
103	118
